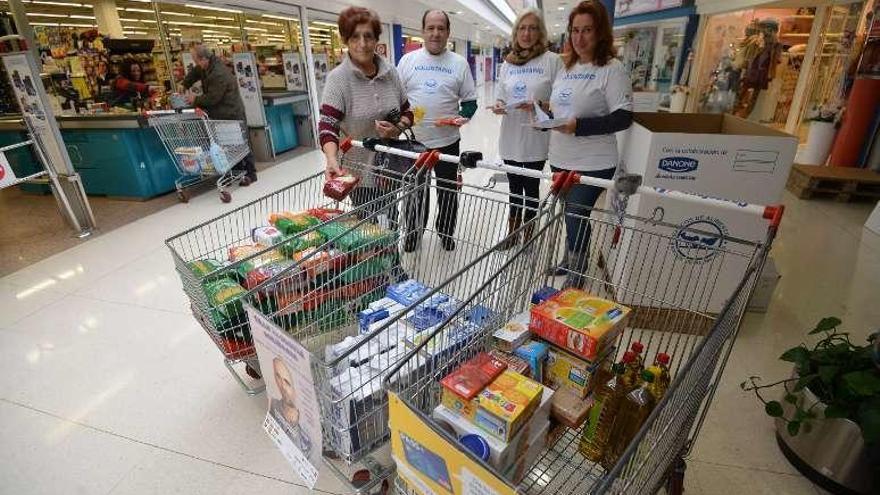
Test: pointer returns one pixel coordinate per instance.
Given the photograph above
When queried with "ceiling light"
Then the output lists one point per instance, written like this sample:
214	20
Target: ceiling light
560	8
81	16
45	15
62	4
459	12
133	9
280	17
179	14
322	23
249	28
205	7
556	25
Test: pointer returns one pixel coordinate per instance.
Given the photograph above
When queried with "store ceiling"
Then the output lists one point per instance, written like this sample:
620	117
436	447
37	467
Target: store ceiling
556	15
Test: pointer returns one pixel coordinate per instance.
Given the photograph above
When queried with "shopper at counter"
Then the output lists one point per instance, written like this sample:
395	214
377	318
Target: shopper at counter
440	82
130	85
363	97
527	75
594	92
219	98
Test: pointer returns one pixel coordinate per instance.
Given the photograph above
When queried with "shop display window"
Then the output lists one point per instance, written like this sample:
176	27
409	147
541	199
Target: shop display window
651	55
752	62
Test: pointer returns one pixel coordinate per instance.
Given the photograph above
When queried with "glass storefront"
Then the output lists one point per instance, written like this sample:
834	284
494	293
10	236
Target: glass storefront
652	54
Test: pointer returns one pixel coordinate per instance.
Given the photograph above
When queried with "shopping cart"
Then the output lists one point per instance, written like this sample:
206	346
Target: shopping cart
632	261
202	148
351	356
201	254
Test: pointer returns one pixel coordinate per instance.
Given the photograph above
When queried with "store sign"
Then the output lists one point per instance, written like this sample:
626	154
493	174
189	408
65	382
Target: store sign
7	176
293	71
632	7
249	87
293	420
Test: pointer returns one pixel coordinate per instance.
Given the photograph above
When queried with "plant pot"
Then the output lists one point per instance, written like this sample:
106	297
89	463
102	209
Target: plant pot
819	141
833	454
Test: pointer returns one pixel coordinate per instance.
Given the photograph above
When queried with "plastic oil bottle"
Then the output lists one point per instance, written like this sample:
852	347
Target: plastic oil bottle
637	348
606	399
633	411
662	377
632	375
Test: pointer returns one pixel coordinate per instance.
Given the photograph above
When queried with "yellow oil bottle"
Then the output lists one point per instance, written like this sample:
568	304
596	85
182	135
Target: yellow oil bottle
662	377
633	411
606	399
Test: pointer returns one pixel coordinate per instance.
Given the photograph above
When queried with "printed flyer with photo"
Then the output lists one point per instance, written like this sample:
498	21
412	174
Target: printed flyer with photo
293	420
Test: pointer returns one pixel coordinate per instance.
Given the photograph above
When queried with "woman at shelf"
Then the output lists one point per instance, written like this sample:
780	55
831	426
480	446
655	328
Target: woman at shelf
592	93
363	97
130	85
526	76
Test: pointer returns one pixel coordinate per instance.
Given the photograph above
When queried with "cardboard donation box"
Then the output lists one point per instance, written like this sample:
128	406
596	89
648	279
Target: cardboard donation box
718	156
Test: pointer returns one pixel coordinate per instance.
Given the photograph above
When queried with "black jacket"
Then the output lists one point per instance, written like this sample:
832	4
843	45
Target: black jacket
219	98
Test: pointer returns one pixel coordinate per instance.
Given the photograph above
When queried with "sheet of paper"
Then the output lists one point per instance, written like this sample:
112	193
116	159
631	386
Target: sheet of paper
548	124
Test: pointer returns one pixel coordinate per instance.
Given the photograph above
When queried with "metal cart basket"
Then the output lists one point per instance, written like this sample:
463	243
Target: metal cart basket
224	248
671	313
202	148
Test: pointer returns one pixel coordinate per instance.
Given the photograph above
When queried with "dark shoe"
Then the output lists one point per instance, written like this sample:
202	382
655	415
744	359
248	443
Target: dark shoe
560	269
513	224
447	242
245	181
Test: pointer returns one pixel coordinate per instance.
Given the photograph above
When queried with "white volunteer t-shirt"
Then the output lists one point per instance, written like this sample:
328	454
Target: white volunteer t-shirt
587	90
437	83
518	83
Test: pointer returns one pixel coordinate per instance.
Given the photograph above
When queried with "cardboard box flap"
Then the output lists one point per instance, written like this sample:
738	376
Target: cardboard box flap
702	123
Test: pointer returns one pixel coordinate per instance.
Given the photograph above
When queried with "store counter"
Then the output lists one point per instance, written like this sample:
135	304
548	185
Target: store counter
283	110
116	155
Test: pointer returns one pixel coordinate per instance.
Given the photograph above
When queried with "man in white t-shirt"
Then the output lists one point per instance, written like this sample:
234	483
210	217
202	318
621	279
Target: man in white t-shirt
438	81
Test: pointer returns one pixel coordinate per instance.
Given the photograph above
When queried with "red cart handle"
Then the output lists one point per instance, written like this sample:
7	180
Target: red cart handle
774	214
562	181
345	145
427	159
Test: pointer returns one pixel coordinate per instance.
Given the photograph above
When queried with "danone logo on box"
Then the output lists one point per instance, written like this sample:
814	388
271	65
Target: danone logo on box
678	164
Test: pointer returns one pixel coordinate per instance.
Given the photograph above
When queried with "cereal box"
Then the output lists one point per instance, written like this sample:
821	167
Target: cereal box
563	369
578	322
506	404
460	388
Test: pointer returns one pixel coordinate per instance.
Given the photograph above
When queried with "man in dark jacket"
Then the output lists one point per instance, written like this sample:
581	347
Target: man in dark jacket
219	97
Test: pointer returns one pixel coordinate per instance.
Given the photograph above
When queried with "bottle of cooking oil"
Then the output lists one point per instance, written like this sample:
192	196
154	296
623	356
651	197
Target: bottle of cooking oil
637	348
633	411
632	375
662	378
606	399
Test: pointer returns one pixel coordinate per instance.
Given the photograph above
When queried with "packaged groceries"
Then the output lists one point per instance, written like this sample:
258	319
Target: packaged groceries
569	409
578	322
294	243
534	353
291	223
506	404
567	370
325	214
461	387
514	333
224	294
237	253
266	236
513	363
204	267
338	187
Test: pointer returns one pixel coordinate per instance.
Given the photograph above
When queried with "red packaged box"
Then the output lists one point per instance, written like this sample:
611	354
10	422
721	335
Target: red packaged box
474	375
339	187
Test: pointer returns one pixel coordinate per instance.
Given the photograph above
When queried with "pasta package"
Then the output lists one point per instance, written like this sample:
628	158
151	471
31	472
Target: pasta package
225	295
291	223
204	267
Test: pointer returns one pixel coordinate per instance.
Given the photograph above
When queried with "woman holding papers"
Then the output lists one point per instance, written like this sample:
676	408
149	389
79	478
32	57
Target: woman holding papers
526	76
592	97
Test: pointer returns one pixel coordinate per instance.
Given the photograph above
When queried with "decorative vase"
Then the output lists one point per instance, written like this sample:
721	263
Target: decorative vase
678	101
833	454
819	142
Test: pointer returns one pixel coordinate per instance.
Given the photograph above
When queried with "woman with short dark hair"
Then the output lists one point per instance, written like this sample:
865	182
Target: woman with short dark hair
594	93
130	84
363	96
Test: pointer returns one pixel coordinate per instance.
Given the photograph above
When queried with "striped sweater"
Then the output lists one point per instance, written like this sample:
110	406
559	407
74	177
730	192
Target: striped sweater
352	102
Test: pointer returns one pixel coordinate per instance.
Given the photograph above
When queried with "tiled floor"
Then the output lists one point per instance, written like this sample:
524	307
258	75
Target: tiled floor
107	384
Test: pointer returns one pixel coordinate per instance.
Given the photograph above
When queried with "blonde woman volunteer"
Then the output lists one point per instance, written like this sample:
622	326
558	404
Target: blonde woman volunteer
594	92
526	76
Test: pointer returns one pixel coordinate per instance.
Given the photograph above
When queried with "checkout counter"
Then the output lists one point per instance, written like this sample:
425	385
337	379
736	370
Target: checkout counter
116	155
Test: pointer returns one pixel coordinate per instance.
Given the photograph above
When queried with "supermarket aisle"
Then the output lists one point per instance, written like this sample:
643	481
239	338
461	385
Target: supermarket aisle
107	385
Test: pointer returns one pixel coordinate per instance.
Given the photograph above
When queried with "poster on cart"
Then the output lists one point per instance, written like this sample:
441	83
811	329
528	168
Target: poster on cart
293	71
293	420
249	87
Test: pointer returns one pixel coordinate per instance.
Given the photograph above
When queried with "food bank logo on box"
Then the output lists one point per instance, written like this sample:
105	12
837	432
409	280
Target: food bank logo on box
699	239
676	167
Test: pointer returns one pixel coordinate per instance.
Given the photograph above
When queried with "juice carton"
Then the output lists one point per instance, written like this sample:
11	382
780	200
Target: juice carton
460	388
567	370
506	404
534	353
578	322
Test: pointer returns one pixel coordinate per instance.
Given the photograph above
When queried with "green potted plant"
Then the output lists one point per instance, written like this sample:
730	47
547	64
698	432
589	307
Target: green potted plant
828	418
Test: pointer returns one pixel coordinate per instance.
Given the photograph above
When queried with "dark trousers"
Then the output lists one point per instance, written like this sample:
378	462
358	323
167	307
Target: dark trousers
247	165
524	191
447	196
579	203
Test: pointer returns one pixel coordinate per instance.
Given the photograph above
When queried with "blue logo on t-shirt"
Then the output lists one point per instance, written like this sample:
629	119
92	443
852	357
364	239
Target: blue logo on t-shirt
519	90
586	76
431	83
565	95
